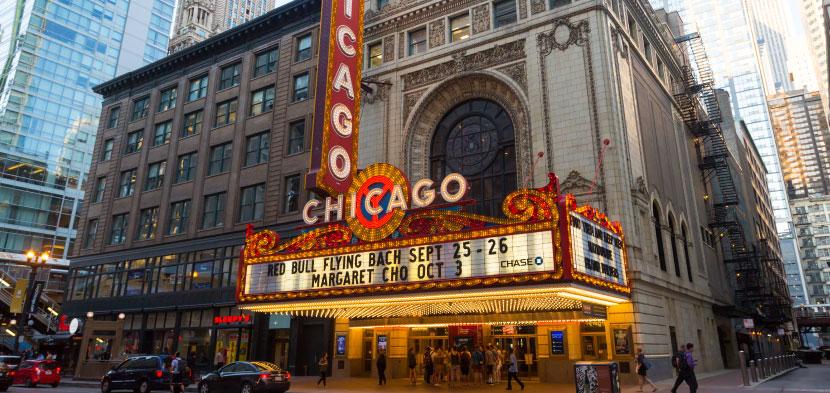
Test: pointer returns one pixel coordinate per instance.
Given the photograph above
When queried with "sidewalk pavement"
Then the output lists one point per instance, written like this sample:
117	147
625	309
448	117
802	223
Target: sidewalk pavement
814	379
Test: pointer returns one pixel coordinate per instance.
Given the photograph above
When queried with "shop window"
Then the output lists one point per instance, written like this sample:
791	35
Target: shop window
504	13
673	244
201	275
460	27
106	284
658	235
135	282
476	139
167	279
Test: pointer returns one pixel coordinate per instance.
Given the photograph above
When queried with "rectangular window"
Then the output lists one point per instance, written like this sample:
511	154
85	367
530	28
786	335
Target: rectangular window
192	124
135	140
198	88
127	186
106	152
375	55
504	13
230	76
147	223
303	48
167	99
179	217
262	101
417	41
382	3
646	49
632	28
186	167
559	3
100	186
265	63
225	113
162	133
112	122
140	108
291	203
256	151
220	158
460	28
296	137
91	232
301	87
155	175
118	232
214	211
252	203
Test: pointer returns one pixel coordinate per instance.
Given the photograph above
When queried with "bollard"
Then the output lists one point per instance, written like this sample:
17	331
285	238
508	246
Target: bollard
742	362
762	366
775	368
753	371
778	367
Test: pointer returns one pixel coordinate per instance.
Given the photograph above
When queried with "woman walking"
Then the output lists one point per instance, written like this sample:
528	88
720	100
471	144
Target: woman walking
323	365
642	371
412	362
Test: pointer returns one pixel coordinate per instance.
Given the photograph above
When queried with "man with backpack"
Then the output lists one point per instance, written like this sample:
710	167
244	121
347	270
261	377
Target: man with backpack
176	368
685	363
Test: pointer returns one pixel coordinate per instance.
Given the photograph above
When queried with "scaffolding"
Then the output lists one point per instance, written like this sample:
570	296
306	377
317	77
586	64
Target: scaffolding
756	271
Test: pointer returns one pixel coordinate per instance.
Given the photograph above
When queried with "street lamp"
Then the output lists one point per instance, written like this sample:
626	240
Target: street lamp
35	262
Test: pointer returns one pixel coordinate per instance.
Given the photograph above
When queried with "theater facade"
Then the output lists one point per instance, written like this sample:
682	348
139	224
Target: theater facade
408	268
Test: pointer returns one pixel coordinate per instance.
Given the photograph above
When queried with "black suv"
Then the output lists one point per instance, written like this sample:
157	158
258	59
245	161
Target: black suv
142	374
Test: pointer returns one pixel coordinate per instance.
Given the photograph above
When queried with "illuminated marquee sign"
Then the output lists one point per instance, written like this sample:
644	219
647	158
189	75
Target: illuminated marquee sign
337	97
475	258
596	251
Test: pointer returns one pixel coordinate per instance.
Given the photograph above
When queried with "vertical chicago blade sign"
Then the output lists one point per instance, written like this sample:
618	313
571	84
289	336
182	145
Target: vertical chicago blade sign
337	97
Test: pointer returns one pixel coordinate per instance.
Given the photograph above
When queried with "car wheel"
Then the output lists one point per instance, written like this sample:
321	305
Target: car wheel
204	388
246	388
143	387
105	386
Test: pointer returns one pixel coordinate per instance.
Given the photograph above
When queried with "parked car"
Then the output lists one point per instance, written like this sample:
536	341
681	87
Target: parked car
38	372
246	377
6	375
12	361
142	374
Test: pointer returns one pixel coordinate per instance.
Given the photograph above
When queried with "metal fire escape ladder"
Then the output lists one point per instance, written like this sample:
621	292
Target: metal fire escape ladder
753	274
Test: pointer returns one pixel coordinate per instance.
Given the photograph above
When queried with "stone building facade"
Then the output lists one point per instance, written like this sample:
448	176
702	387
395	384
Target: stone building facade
588	88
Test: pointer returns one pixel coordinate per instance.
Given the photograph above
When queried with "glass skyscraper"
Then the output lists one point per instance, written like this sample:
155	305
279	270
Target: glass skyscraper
731	44
52	54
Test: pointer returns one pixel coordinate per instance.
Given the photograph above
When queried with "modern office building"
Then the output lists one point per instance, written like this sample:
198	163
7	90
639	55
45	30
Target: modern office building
812	219
197	20
816	20
803	140
54	53
726	28
193	148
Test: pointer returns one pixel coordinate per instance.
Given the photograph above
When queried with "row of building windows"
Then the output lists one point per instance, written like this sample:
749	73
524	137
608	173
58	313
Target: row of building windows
684	240
205	269
251	208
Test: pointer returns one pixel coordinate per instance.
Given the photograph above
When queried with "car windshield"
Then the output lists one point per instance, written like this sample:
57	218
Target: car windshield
48	365
266	366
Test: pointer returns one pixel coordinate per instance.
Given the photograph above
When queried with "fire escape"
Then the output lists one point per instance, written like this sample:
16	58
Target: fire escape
756	273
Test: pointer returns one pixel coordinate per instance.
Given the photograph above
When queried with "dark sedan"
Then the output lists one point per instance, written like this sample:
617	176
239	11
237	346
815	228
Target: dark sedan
246	377
6	375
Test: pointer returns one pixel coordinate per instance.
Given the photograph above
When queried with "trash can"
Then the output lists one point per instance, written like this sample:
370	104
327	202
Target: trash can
597	377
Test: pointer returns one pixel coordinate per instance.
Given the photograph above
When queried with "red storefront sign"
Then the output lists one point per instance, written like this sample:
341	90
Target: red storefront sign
231	319
337	97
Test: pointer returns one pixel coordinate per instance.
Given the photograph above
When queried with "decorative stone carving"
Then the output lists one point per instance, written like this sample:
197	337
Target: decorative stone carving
517	72
389	49
437	33
522	9
640	186
619	43
421	124
563	35
576	184
401	44
481	18
409	101
500	54
537	6
380	93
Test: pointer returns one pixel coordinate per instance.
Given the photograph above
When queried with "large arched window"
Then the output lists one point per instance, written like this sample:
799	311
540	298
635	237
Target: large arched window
658	235
686	251
476	139
673	246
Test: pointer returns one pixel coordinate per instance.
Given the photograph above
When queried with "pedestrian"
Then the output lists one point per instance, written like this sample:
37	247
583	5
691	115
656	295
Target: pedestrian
381	364
412	362
176	368
499	364
455	367
478	365
219	359
438	364
513	370
428	366
466	360
323	365
490	363
642	370
685	365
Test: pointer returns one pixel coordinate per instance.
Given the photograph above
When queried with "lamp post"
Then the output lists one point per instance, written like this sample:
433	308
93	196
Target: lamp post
35	262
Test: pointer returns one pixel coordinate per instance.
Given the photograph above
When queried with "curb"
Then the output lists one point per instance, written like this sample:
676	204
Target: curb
95	385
